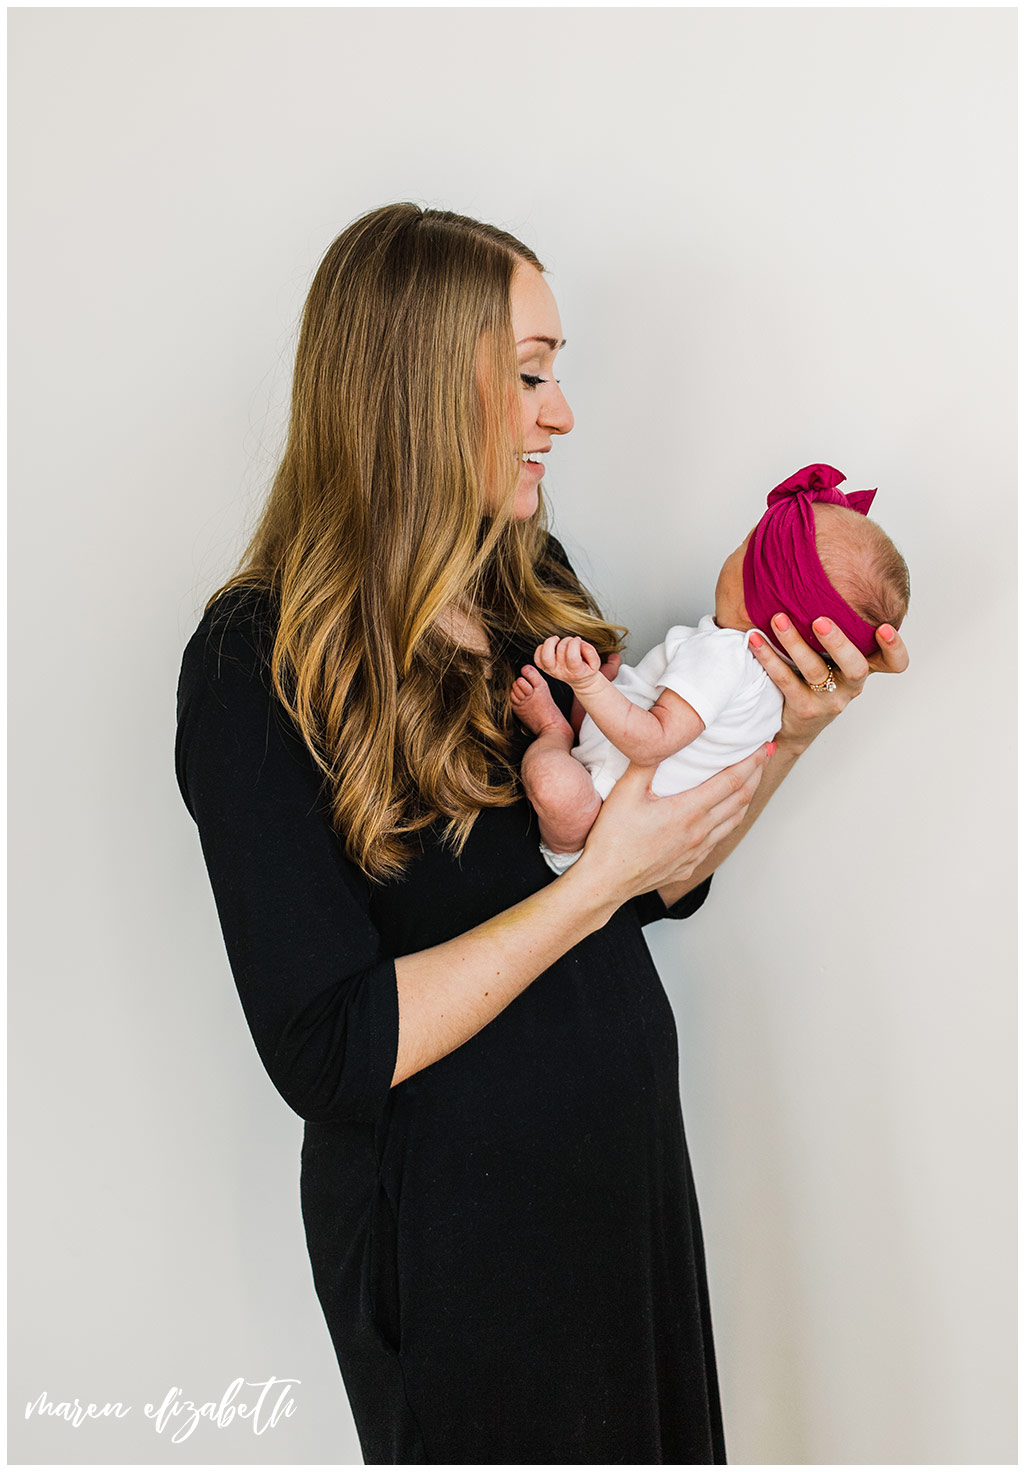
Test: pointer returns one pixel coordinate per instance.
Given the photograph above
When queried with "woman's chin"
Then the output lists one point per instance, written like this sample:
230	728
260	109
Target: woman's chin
526	502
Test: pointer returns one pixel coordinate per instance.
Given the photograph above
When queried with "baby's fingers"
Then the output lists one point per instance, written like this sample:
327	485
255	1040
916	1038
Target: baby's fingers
591	658
545	654
576	653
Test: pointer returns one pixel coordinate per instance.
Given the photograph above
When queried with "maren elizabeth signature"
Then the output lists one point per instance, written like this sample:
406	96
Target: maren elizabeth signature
184	1415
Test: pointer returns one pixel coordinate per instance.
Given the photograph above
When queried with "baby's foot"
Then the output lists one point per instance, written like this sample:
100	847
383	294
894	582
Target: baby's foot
533	704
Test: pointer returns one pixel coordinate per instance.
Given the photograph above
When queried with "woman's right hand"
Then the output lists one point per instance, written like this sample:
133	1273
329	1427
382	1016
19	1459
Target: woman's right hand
641	842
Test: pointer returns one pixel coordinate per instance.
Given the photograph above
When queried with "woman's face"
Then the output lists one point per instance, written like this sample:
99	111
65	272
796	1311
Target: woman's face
538	334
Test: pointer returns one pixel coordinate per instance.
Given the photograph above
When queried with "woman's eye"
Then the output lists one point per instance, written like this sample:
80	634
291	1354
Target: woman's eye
531	380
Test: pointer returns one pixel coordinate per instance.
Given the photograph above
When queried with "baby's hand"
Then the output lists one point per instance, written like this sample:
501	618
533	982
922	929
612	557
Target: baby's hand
572	660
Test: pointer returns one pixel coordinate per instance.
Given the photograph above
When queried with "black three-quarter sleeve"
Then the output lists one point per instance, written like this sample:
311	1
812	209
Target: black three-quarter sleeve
652	907
320	999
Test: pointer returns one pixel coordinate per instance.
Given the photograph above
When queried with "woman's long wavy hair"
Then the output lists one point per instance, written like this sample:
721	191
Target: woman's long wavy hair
379	524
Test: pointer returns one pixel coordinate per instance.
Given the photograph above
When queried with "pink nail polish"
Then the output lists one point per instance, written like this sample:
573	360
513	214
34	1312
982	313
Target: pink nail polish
755	641
781	622
822	626
887	632
771	748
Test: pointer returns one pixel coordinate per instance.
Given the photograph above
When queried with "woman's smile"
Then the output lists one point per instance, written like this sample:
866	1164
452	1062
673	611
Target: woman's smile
532	462
543	406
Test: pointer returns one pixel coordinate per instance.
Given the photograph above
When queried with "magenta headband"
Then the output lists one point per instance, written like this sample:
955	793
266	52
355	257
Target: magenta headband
782	572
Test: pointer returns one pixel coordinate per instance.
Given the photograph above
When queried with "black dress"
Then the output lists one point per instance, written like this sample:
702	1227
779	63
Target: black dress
506	1246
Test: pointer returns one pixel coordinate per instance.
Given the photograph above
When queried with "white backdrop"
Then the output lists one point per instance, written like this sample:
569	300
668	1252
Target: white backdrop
776	236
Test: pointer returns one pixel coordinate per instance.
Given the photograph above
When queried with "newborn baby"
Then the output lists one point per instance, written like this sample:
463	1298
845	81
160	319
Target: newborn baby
700	701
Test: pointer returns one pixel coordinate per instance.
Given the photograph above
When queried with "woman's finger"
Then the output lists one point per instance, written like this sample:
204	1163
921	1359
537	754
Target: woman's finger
636	777
717	798
726	786
780	673
726	815
892	657
845	656
736	804
843	653
724	828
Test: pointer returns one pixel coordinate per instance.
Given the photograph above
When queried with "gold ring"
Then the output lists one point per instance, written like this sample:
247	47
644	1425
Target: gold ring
825	686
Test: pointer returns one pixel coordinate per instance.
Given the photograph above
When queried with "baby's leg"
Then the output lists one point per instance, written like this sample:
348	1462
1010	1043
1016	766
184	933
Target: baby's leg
558	786
562	794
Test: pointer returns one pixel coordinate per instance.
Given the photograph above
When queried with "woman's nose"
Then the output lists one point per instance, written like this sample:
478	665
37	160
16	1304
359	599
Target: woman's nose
556	414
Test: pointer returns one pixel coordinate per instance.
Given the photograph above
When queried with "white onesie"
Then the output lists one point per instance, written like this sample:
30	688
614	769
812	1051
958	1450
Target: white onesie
714	671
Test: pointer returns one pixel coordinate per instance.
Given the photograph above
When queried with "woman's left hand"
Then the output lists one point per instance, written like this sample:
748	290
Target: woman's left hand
807	712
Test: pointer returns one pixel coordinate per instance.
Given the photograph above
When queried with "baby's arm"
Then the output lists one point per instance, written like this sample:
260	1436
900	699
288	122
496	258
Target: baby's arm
645	736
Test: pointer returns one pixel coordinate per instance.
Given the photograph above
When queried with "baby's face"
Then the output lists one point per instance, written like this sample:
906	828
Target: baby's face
730	612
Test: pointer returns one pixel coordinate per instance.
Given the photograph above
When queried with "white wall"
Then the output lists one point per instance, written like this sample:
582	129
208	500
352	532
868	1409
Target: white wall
777	236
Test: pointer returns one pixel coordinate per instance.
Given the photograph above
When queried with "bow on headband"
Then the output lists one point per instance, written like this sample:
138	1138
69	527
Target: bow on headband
782	572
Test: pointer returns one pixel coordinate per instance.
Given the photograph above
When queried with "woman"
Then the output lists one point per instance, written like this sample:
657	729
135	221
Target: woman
495	1182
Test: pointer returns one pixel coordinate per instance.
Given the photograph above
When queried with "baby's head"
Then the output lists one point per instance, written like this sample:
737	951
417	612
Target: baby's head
814	553
862	564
